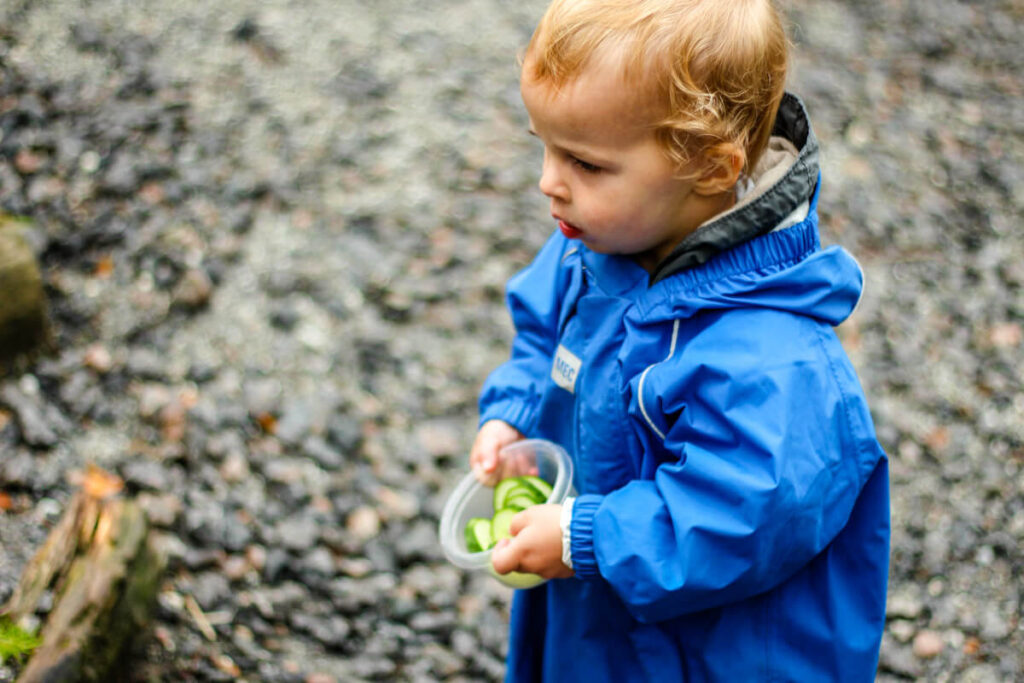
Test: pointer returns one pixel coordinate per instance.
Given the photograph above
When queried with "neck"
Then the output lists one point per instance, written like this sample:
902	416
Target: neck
706	208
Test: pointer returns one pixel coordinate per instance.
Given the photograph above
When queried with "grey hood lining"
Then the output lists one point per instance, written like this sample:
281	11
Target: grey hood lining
762	212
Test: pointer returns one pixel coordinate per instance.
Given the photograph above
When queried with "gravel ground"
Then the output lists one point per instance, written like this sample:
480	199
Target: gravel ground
275	237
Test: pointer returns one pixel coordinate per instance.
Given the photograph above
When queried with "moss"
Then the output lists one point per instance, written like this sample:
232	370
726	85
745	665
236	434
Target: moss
15	642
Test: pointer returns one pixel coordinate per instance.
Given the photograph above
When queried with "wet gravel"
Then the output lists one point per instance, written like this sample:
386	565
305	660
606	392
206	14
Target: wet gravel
275	235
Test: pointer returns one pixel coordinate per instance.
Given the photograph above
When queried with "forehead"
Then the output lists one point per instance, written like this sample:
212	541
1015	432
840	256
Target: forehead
598	106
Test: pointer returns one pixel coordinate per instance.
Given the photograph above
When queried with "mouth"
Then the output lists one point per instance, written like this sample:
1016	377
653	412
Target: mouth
568	230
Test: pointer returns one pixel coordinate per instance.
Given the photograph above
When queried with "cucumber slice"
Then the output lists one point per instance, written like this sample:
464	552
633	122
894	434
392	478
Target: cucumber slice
501	523
542	488
478	534
521	501
506	488
501	490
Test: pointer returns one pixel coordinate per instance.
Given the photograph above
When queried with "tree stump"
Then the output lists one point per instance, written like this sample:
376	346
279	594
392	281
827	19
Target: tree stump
23	318
104	570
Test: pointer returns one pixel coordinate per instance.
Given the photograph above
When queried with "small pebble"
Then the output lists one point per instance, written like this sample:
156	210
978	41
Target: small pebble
928	644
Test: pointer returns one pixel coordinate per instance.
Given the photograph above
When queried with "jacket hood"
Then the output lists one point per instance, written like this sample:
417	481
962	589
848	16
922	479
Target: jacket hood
783	180
764	253
784	270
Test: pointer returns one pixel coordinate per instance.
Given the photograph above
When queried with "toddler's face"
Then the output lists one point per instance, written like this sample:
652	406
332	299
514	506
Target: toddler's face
610	183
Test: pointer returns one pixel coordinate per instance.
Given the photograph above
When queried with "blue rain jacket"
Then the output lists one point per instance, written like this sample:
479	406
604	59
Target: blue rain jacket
733	520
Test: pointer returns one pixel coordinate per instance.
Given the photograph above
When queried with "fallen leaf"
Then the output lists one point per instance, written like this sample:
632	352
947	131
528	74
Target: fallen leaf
267	422
202	623
226	665
104	267
98	483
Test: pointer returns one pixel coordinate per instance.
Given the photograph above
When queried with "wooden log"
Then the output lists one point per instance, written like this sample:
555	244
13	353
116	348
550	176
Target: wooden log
23	314
105	571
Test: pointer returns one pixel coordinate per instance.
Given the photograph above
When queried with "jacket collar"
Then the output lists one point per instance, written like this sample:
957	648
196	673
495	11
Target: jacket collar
767	210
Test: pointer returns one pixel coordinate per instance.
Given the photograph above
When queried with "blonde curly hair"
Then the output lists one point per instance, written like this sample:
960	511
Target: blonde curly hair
714	69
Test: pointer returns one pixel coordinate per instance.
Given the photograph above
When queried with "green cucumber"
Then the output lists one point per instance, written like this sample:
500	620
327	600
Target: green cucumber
501	490
478	534
506	488
521	501
501	523
539	485
511	495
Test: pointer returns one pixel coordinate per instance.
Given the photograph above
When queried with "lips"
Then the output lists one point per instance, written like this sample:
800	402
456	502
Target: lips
568	230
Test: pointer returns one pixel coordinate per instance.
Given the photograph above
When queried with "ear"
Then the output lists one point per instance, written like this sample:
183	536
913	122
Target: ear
722	166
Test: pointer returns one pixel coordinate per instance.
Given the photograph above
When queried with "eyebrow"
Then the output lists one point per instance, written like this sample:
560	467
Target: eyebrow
584	155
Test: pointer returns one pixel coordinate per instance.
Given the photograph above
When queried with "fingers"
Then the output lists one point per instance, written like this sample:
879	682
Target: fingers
535	546
516	555
484	464
490	439
483	457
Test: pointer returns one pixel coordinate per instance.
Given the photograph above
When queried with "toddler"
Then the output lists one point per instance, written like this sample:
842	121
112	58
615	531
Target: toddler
675	335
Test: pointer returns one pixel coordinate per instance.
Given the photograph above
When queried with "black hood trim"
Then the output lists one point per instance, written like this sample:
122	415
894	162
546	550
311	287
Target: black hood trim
763	213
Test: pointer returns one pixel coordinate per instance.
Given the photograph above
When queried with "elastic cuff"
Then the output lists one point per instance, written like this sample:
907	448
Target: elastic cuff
566	524
519	414
584	560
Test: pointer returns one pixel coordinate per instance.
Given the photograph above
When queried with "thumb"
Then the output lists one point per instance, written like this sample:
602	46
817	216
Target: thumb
504	557
519	521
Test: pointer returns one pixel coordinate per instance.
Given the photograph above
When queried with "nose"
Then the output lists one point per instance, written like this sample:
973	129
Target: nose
551	182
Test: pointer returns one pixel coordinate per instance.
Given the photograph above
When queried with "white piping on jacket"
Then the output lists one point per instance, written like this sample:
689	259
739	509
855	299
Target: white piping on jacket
863	286
643	377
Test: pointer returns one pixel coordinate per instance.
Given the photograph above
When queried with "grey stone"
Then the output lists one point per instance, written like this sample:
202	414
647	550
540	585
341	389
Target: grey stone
41	423
322	452
297	533
210	589
357	223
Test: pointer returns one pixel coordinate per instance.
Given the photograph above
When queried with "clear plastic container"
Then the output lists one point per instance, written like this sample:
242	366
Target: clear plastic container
471	499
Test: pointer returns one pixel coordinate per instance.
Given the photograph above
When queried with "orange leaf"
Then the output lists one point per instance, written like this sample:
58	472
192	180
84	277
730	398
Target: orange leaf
104	267
100	484
267	422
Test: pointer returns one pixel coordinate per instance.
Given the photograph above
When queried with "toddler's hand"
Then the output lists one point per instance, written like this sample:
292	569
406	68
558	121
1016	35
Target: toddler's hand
483	457
535	546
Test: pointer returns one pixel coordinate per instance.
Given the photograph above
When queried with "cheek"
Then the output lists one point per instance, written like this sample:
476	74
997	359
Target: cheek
668	197
609	202
606	212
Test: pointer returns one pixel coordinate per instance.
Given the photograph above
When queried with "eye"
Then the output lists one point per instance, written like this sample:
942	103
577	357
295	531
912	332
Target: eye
586	166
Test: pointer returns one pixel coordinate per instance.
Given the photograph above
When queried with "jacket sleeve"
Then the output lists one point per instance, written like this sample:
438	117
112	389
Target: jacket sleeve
534	296
764	442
